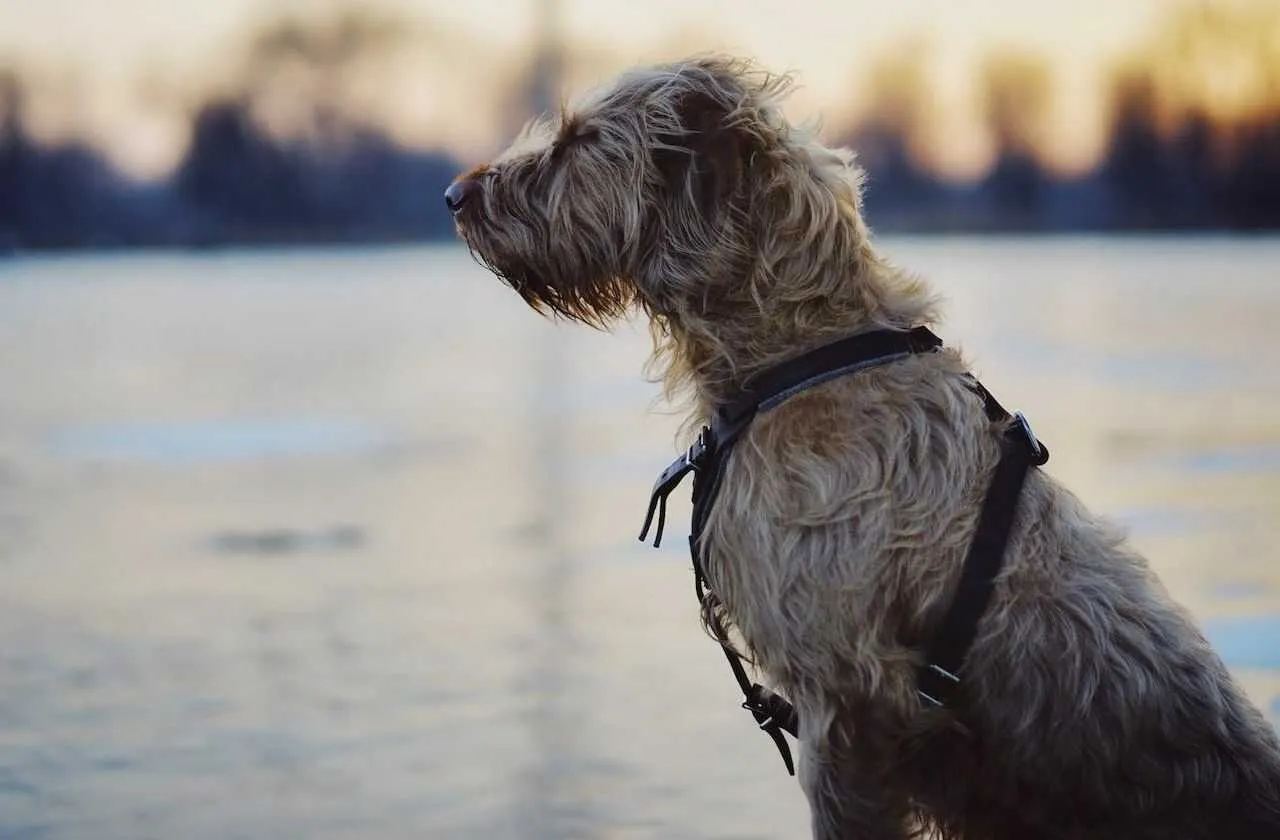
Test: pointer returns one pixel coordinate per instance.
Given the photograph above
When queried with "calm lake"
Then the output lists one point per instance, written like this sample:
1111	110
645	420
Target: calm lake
342	543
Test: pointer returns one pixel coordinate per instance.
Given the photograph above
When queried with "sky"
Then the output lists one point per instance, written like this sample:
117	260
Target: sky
102	49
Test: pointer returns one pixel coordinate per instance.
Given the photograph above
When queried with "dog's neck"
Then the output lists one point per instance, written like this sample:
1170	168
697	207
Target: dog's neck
711	359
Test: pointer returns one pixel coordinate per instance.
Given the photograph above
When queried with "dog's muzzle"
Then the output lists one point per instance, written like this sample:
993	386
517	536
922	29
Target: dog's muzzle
460	193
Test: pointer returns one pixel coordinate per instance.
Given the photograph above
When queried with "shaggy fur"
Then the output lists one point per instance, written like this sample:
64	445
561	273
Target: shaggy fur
1090	707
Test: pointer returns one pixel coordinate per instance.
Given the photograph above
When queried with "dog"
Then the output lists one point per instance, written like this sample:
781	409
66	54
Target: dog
1091	708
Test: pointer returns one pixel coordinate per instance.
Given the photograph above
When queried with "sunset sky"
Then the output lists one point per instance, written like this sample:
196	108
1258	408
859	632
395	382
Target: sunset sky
129	67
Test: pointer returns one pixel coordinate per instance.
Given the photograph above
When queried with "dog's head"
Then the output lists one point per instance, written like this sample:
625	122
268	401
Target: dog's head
681	188
655	189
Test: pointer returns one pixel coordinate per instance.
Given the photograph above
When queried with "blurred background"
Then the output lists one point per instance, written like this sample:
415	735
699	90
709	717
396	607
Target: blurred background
308	528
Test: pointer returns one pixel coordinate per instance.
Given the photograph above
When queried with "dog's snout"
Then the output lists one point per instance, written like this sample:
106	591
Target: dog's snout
460	192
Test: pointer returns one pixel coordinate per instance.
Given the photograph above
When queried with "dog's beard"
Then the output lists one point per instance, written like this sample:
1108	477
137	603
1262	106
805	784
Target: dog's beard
588	297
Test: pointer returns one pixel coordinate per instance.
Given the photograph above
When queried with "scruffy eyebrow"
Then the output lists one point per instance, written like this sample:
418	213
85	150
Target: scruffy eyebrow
573	127
572	130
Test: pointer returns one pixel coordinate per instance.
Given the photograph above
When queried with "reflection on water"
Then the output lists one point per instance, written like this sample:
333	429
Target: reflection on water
1263	459
217	441
342	543
287	541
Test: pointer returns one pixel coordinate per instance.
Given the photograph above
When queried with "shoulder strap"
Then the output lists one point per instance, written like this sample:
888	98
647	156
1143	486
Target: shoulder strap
939	677
769	388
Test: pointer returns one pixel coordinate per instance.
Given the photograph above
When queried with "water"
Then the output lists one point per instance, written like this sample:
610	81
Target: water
338	544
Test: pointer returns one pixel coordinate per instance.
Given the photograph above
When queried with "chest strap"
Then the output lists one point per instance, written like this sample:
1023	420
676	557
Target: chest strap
708	457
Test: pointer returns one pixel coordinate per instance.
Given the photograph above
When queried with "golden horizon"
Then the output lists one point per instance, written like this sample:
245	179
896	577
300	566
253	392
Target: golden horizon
133	79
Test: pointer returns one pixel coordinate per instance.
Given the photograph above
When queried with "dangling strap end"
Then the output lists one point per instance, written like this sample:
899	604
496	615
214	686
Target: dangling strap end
783	750
669	480
657	503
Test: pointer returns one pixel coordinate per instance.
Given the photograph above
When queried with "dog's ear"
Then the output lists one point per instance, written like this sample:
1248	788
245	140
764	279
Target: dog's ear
707	157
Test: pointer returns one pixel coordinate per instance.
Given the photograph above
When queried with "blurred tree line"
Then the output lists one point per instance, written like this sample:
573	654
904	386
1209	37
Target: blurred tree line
329	177
1193	140
1193	143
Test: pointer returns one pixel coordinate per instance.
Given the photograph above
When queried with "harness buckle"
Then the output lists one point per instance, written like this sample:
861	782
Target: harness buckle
692	459
1039	452
770	710
697	451
774	716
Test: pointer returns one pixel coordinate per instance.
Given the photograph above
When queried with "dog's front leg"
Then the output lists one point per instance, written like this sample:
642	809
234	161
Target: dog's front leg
846	801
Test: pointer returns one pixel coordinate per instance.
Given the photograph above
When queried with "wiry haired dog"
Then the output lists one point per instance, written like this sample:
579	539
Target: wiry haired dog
1090	706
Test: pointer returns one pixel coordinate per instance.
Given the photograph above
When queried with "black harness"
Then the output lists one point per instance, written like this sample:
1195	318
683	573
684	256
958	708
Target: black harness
708	457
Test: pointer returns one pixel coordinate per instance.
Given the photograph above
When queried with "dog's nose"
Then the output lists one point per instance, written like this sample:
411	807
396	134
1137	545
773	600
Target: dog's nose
459	193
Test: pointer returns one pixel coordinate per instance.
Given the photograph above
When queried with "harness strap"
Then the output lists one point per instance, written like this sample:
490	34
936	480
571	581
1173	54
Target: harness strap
769	388
773	714
840	358
938	679
707	457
